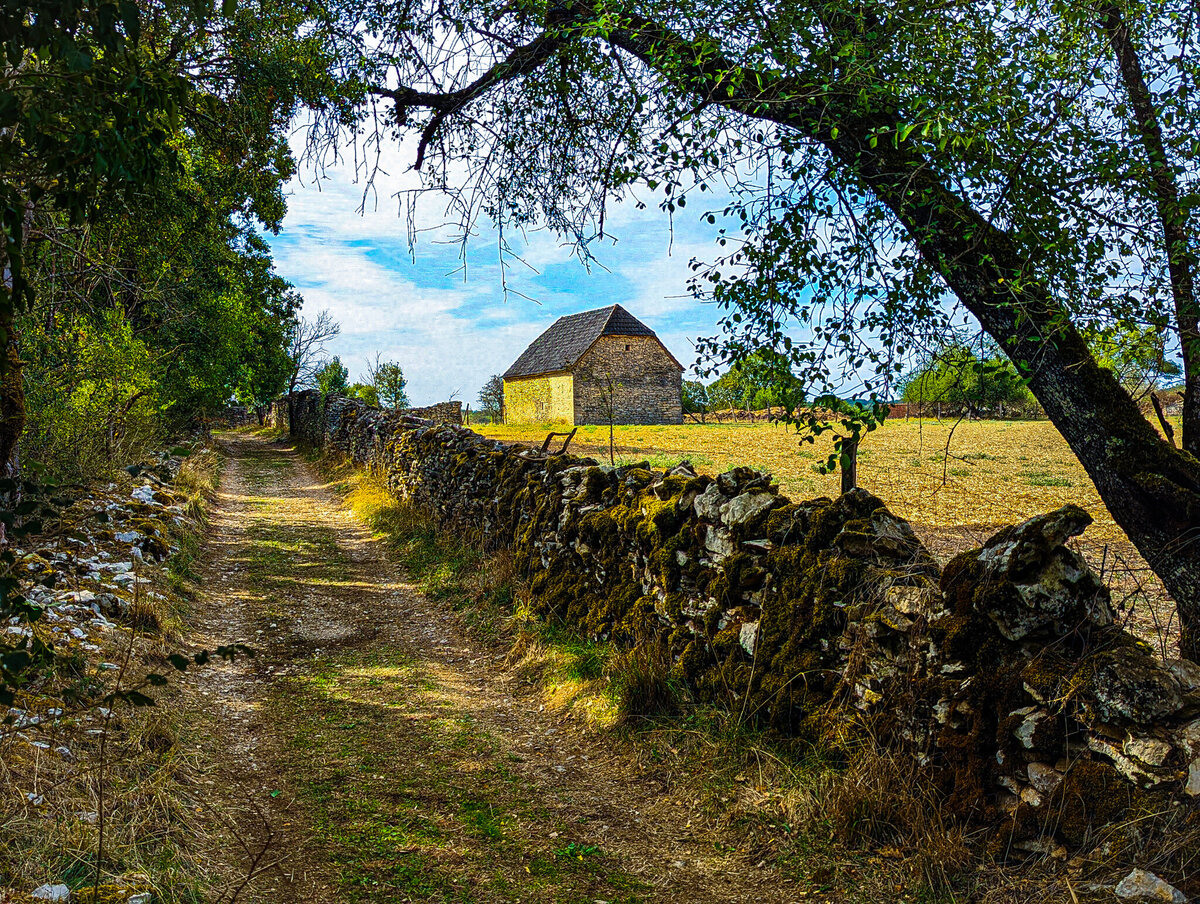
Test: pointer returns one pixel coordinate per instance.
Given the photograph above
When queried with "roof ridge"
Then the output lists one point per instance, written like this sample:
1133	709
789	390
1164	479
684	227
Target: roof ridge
561	345
612	312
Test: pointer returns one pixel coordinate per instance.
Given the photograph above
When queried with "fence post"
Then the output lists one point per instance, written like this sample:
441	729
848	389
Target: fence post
849	457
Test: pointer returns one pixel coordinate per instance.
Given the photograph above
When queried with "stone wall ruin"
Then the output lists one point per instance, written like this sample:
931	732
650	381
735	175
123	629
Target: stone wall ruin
1004	673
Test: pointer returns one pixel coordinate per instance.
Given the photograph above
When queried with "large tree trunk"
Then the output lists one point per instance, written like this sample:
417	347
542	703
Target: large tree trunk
12	399
1151	489
12	380
1181	261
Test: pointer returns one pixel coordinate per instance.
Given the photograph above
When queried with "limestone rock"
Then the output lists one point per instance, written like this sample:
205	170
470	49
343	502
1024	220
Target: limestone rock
1043	778
1026	732
1150	751
1129	685
51	893
145	495
1054	587
719	542
708	504
743	508
1193	780
1141	885
748	637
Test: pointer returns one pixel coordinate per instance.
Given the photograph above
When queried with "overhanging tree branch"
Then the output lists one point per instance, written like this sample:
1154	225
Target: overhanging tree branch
1152	490
522	61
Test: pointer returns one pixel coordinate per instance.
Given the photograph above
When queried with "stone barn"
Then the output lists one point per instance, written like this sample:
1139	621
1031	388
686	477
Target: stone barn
566	374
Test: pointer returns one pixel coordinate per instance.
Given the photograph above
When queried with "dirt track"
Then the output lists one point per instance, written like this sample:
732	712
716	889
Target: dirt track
373	751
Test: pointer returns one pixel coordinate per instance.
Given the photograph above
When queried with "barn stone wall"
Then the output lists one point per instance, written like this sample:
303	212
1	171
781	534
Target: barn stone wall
1005	673
539	400
646	383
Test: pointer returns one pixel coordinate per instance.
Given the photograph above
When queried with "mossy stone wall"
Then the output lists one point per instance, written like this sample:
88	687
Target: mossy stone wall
1005	674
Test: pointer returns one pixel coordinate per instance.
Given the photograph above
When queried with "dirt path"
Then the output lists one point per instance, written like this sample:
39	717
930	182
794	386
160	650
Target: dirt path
379	754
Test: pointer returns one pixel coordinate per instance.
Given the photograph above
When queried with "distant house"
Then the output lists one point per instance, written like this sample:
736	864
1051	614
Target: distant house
567	373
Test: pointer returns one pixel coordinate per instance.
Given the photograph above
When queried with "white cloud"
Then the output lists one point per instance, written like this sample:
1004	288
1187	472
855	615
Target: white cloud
451	334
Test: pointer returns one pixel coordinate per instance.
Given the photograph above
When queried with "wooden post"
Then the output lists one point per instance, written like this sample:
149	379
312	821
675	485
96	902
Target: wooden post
849	459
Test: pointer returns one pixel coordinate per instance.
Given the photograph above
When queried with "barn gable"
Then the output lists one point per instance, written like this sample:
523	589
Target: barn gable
558	377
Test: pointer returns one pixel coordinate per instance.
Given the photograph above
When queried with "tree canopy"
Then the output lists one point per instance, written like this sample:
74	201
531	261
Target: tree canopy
389	382
491	397
891	167
143	151
962	379
332	378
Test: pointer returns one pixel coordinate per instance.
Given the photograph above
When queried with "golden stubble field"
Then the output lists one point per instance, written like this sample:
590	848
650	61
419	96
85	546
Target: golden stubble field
956	483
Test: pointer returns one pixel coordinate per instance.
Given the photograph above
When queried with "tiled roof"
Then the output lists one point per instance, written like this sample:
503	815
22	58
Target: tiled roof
569	337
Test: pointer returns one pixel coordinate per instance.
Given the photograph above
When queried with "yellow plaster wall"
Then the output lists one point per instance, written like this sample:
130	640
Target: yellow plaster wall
537	400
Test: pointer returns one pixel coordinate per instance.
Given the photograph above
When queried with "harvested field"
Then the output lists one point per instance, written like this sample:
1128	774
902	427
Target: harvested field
956	483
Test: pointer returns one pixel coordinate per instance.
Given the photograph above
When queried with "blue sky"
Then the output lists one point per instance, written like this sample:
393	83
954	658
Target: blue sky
449	333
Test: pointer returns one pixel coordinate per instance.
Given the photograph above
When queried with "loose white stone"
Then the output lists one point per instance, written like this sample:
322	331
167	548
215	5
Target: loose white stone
1028	727
1044	778
144	495
51	893
1141	885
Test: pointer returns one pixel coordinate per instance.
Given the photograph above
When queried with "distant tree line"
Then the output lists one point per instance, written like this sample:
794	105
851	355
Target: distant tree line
758	382
965	378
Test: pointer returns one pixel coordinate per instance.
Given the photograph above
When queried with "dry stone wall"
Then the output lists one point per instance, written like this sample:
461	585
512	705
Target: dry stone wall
1004	673
439	413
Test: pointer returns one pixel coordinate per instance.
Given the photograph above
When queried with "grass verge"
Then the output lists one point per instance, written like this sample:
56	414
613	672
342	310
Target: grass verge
100	791
829	823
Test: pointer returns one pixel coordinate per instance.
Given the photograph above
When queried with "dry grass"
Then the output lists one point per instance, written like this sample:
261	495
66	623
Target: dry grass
956	482
57	778
987	473
127	763
199	477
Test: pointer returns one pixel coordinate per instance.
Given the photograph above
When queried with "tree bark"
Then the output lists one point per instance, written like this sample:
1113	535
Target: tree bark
12	398
849	462
1181	262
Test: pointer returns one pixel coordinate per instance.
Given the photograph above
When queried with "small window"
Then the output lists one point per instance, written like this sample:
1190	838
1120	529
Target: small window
626	346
